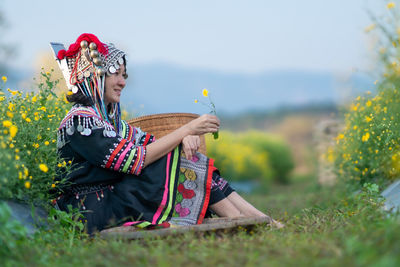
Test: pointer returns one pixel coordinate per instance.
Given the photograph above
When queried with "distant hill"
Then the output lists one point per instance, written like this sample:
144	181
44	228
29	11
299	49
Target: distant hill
159	87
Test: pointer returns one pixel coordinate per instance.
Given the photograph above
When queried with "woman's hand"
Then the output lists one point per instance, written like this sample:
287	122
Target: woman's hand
190	145
206	123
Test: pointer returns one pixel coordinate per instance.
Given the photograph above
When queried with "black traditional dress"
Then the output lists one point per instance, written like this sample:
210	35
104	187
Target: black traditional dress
109	184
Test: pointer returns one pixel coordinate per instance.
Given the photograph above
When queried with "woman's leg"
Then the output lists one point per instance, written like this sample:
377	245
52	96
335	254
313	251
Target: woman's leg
243	206
225	208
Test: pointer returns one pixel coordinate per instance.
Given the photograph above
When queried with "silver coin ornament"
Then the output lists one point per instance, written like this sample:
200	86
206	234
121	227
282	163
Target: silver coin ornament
86	132
80	76
70	130
121	61
116	65
112	69
79	128
86	74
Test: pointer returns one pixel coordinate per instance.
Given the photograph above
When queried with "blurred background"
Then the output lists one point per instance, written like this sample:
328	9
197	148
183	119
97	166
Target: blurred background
275	70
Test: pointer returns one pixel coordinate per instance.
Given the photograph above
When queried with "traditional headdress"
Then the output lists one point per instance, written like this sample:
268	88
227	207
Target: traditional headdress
84	66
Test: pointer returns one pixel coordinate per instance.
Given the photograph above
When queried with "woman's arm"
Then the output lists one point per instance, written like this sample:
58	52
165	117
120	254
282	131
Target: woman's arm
204	124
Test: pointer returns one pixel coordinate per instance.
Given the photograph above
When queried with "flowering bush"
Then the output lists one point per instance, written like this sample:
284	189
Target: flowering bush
251	156
28	153
368	149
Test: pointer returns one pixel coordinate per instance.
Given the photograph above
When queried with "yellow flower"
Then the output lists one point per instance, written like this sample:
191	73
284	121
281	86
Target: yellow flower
365	137
36	145
23	115
53	185
341	136
9	114
17	157
34	99
2	98
367	119
196	101
355	127
28	184
46	143
369	103
11	106
4	78
205	92
390	5
28	120
70	93
26	172
13	130
43	167
42	108
7	123
370	28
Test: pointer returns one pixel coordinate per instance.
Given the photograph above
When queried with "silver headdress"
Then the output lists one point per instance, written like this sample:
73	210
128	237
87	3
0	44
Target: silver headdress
84	66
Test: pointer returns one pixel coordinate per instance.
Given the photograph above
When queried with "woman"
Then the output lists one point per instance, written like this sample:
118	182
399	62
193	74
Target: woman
121	174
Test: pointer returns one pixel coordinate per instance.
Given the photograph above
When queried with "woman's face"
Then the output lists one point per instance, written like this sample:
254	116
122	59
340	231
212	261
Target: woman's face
114	85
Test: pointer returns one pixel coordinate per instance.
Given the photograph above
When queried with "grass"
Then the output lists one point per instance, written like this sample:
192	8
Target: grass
323	227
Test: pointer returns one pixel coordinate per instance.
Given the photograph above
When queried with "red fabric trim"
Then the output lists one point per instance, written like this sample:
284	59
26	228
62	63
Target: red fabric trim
115	152
146	140
74	48
211	169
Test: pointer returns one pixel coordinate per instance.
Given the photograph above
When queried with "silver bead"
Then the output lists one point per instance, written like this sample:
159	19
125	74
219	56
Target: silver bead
84	44
100	71
97	61
92	46
94	53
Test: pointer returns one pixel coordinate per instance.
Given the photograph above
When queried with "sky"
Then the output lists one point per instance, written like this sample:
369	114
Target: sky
229	36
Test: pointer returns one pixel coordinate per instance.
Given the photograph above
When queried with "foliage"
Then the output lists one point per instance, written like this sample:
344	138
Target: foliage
251	156
324	227
28	155
368	148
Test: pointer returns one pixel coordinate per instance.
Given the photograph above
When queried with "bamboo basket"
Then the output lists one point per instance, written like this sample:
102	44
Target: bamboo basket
162	124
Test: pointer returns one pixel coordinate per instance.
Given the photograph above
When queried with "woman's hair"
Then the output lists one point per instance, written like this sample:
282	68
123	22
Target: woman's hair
82	99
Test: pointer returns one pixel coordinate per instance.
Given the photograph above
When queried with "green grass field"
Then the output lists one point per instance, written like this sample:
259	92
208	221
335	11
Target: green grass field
323	227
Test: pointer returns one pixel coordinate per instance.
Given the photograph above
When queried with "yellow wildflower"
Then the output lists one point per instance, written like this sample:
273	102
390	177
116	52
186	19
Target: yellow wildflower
365	137
17	157
369	28
28	184
34	99
9	114
367	119
4	78
43	167
23	115
13	130
369	103
340	136
11	106
53	185
70	93
26	172
46	143
28	120
7	123
42	108
355	127
390	5
196	101
205	92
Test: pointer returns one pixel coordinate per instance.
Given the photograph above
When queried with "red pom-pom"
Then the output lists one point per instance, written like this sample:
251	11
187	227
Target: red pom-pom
74	48
61	54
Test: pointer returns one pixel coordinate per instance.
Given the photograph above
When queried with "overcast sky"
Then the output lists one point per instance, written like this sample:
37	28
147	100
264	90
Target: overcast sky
226	35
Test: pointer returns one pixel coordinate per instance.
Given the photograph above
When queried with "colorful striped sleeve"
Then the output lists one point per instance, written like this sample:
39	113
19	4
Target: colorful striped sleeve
113	153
